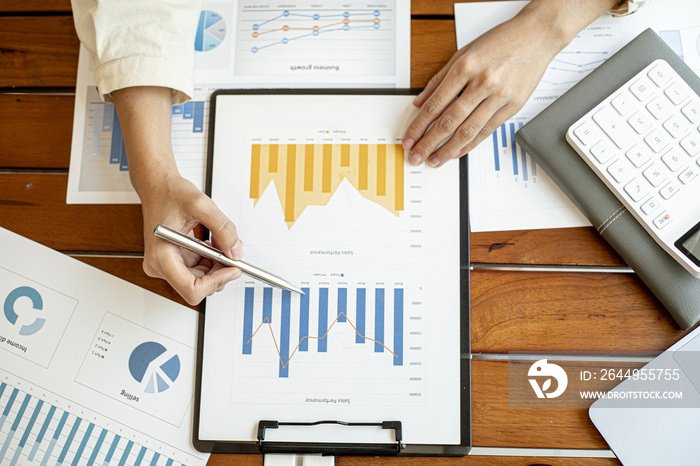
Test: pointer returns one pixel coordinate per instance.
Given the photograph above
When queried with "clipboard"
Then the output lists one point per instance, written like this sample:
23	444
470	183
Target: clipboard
302	168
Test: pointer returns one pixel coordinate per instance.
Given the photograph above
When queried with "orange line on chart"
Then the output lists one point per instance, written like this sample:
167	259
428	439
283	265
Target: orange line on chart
316	28
285	364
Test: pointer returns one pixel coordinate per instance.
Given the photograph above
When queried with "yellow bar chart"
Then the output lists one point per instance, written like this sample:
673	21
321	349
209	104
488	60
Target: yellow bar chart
309	174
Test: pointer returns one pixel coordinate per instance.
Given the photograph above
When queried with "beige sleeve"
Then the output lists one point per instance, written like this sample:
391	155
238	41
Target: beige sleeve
627	7
139	43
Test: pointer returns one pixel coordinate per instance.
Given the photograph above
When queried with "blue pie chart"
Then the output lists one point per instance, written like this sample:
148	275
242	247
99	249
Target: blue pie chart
211	31
154	367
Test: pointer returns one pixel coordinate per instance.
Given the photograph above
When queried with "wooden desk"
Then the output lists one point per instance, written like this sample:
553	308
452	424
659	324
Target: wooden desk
516	310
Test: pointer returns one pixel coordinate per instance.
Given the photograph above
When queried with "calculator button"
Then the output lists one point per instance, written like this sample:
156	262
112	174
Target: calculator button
692	111
651	205
614	127
660	106
620	170
660	74
691	144
587	133
641	121
669	190
656	174
676	125
642	89
688	175
638	155
656	141
676	93
673	159
603	151
624	103
637	189
662	220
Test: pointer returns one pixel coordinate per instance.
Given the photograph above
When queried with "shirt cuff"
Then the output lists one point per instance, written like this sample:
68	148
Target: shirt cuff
627	7
146	71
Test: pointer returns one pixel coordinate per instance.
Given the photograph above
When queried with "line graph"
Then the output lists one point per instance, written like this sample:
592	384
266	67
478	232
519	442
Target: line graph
284	364
318	306
331	37
346	24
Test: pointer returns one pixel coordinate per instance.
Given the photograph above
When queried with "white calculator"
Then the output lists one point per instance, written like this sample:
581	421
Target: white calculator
643	141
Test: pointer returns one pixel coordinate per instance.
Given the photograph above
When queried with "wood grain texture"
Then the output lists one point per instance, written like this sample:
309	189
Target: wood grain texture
476	461
35	131
38	51
494	424
34	205
418	7
433	43
43	51
560	311
562	246
256	460
24	6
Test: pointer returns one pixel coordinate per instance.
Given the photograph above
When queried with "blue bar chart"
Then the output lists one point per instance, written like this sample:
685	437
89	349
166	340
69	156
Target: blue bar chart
508	157
105	166
329	317
35	431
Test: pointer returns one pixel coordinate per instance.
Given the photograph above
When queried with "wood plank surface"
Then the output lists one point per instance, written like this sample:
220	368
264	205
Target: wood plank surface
418	7
34	205
35	131
432	45
34	6
564	246
256	460
561	311
494	424
38	51
43	51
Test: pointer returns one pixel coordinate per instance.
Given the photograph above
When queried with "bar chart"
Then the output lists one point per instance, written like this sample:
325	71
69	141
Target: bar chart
508	157
309	174
105	166
38	428
340	331
326	321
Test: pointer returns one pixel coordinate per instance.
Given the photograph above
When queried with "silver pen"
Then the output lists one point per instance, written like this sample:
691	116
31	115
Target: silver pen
204	250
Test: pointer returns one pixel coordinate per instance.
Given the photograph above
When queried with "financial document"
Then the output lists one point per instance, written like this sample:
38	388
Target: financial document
245	44
322	195
507	189
93	370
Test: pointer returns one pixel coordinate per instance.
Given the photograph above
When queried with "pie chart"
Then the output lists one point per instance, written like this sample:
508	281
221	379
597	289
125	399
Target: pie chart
154	367
211	31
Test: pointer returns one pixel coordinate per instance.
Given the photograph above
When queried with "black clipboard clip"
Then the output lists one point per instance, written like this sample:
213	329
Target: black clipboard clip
333	449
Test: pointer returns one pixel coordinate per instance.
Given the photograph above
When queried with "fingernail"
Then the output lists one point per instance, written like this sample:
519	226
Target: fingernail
434	162
237	250
415	159
408	143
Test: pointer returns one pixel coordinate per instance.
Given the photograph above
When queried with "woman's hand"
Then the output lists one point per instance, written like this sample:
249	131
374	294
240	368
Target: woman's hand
490	79
167	198
177	203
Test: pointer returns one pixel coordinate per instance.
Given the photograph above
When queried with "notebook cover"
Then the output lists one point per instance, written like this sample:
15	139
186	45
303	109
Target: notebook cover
544	138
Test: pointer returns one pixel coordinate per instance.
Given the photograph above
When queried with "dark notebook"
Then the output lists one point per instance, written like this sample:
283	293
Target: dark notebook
544	137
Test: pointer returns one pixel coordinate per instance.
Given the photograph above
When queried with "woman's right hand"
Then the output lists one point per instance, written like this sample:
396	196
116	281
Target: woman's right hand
177	203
